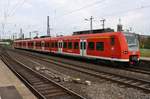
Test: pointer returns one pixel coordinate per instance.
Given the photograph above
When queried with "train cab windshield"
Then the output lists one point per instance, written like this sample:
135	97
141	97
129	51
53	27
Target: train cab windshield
132	41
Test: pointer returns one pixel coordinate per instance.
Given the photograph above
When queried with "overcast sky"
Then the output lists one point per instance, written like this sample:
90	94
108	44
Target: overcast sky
67	16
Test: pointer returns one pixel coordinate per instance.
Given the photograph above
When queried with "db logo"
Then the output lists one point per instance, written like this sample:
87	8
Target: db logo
112	48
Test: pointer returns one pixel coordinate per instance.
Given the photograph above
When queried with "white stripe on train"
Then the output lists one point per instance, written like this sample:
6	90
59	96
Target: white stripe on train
88	56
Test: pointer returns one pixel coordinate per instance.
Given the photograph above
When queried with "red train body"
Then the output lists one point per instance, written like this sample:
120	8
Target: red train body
113	46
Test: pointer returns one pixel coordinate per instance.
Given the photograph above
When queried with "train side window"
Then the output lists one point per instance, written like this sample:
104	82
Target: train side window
100	46
112	40
91	45
39	44
70	45
56	44
46	44
65	45
36	44
52	44
42	44
31	43
76	45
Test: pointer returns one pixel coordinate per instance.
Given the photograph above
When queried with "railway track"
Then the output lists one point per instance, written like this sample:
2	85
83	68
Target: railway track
140	69
121	79
40	85
131	69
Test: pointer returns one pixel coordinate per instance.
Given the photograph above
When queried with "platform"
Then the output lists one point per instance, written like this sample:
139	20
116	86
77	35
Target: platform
8	81
145	58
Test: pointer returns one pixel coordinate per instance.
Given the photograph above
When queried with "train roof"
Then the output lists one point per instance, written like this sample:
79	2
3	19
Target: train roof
73	36
106	30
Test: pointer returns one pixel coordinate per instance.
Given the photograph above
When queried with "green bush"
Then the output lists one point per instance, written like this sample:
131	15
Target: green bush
147	43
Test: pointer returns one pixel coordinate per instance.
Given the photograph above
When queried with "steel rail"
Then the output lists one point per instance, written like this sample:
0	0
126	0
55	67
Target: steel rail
131	69
41	86
129	81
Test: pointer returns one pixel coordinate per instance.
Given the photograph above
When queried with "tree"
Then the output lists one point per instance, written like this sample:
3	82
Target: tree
147	43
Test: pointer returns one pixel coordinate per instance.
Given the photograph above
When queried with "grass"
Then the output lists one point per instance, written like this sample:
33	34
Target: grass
145	52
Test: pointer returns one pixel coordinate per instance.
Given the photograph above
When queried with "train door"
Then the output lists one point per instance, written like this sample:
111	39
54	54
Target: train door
83	44
60	45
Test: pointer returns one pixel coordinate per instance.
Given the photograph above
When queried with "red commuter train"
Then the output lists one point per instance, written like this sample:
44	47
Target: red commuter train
111	46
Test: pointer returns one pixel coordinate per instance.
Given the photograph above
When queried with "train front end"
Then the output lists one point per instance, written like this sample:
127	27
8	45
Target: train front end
133	48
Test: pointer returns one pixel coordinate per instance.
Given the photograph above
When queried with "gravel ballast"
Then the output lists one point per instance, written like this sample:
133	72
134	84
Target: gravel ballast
99	88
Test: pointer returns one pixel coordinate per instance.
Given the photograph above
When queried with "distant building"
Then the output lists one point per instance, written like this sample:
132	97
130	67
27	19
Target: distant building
4	43
143	39
119	28
144	36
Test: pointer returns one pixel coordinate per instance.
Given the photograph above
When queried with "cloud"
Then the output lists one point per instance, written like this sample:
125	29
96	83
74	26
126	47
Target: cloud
27	5
66	15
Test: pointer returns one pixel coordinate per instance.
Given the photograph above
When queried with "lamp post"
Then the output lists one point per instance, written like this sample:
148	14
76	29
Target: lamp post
103	23
91	23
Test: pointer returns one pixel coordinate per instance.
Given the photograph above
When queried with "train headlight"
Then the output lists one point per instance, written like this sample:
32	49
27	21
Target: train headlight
125	52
